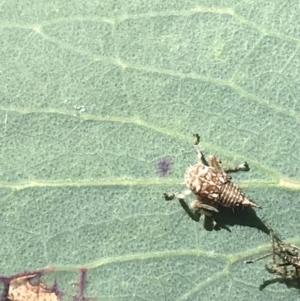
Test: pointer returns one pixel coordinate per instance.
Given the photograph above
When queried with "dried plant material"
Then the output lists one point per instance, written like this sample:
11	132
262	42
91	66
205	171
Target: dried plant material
212	186
21	288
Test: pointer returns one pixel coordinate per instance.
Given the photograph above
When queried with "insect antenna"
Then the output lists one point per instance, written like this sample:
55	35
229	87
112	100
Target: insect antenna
259	258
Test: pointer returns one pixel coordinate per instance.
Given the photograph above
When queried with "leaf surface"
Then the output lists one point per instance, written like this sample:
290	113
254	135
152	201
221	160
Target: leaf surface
95	94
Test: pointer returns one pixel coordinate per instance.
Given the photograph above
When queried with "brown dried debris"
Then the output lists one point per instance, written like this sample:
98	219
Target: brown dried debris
20	287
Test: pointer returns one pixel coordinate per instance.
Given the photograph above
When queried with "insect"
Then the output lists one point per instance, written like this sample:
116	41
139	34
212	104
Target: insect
289	267
212	186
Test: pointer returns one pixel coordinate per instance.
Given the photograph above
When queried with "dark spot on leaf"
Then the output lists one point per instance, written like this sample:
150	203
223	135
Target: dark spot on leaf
164	166
82	283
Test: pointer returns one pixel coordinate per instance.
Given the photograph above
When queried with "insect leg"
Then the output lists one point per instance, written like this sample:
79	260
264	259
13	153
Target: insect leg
179	196
259	258
214	162
182	195
197	139
169	196
283	264
292	250
242	167
200	156
273	244
268	254
275	269
235	168
203	208
194	215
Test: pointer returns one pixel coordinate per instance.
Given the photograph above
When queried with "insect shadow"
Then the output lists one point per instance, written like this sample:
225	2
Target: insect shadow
290	283
246	217
226	217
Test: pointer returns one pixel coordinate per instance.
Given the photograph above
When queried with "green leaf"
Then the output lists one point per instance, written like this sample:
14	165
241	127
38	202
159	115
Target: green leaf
94	94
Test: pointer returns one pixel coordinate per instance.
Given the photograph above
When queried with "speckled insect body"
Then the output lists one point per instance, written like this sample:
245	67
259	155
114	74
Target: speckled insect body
289	267
288	253
212	186
282	268
290	256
